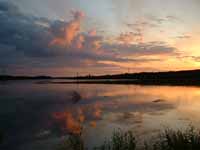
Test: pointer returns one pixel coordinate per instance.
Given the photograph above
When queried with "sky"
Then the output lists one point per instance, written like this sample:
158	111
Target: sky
66	37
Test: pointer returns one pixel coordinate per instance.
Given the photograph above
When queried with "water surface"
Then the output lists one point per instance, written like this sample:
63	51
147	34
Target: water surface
39	116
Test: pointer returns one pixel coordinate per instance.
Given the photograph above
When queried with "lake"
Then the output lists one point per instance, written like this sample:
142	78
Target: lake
38	116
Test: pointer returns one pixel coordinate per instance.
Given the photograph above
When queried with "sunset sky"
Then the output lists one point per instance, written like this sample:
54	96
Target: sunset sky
63	37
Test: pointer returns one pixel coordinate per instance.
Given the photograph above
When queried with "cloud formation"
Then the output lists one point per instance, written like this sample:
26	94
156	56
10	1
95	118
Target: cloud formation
68	31
32	42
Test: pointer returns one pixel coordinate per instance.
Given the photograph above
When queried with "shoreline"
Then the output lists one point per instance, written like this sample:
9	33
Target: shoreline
170	82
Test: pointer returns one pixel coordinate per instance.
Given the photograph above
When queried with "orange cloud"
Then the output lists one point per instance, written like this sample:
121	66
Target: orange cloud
92	32
72	37
72	120
96	45
93	40
68	122
97	111
70	30
93	124
79	42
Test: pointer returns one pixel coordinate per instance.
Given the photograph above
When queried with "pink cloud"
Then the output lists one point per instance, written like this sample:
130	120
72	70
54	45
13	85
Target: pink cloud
79	41
92	32
70	30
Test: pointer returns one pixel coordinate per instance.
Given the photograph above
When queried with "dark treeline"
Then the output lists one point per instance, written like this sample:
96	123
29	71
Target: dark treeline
188	74
188	77
8	77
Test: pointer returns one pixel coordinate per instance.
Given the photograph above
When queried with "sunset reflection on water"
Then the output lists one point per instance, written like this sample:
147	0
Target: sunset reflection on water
72	120
47	112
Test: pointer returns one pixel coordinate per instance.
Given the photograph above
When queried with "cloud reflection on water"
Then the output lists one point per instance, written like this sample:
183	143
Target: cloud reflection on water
112	109
40	112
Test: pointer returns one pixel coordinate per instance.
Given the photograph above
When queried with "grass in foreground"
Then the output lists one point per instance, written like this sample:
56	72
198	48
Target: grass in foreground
169	139
119	141
188	139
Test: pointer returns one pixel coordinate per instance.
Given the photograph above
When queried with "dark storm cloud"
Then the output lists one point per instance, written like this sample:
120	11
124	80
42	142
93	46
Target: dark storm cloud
22	33
8	7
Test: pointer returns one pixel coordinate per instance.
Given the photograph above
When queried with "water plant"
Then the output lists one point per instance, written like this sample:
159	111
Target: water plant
188	139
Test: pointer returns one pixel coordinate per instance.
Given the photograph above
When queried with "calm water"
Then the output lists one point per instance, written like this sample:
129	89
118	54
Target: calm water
38	116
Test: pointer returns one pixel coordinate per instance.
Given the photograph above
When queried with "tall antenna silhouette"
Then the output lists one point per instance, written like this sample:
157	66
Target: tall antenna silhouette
128	70
77	75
